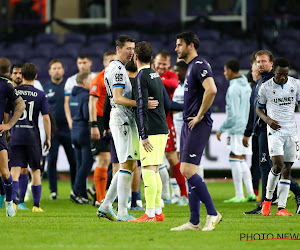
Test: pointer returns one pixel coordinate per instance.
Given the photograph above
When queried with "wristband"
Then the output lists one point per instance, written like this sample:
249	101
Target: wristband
93	124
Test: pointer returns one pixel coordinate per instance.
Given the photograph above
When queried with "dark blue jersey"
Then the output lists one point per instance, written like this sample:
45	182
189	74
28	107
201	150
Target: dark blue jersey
26	130
198	70
7	94
56	97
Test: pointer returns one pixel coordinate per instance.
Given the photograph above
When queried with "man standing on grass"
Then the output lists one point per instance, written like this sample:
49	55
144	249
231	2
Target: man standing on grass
199	94
153	130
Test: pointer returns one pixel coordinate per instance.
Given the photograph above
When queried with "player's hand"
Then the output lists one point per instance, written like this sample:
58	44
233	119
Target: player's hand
219	135
106	132
47	145
147	145
152	104
246	141
193	121
4	127
95	133
273	124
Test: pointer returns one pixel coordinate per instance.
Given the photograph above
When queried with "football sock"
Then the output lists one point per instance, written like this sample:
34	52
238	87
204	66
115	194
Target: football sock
247	178
201	171
23	183
150	189
237	177
159	190
164	175
271	184
1	187
256	192
180	179
100	179
134	196
284	188
194	204
8	188
174	187
199	186
123	191
15	189
36	194
111	193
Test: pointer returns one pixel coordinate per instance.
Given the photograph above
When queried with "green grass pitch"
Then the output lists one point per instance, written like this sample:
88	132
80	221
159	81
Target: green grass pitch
66	225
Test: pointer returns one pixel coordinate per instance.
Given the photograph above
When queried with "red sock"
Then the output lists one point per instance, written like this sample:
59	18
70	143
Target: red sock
100	179
256	191
180	179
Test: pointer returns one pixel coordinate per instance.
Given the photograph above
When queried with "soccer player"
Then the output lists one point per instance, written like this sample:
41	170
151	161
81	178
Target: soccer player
54	89
25	142
79	106
99	147
279	96
162	63
123	129
7	94
153	131
237	114
199	94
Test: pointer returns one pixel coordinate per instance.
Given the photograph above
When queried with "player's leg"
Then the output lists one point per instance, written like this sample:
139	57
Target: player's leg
51	167
100	174
247	179
135	187
255	171
23	183
15	173
164	175
6	180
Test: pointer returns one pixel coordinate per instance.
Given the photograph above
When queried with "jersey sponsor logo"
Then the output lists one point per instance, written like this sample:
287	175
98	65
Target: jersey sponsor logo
274	92
283	100
119	77
50	94
154	75
94	88
204	73
27	93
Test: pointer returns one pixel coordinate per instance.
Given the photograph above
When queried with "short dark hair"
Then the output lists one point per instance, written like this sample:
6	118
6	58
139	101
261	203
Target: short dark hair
81	76
83	56
281	62
109	53
131	67
55	61
164	53
189	37
182	65
29	71
4	65
265	52
144	51
121	40
233	64
16	65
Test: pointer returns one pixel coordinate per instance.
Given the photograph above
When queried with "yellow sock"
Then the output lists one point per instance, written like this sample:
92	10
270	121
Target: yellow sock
159	190
150	187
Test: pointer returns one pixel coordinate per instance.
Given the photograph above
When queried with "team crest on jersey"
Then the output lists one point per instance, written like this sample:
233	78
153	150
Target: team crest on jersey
204	73
292	90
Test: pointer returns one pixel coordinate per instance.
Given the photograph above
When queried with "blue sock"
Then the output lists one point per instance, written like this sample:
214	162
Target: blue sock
15	187
36	194
194	203
199	186
23	183
7	185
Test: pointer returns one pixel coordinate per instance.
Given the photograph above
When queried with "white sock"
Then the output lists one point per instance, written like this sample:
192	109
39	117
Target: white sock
164	175
201	170
247	177
271	184
237	177
175	187
158	210
150	212
111	193
283	188
123	189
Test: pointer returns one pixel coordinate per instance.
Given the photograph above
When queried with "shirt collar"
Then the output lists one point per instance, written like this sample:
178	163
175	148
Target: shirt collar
144	67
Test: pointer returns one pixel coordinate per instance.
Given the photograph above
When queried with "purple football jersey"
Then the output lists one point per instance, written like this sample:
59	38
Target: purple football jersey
198	70
26	130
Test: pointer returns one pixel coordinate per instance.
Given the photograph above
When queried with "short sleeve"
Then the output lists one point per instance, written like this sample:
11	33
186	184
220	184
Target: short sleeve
69	86
45	105
261	96
95	87
202	70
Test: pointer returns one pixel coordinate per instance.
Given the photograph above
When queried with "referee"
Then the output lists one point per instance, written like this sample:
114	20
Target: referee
153	130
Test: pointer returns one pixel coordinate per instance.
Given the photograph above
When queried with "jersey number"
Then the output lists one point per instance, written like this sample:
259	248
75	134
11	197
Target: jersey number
28	113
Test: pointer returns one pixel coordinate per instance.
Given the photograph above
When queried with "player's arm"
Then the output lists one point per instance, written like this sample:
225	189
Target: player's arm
68	111
47	126
122	100
19	108
272	123
95	134
210	91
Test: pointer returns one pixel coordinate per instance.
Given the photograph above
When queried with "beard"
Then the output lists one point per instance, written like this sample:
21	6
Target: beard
184	54
18	81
